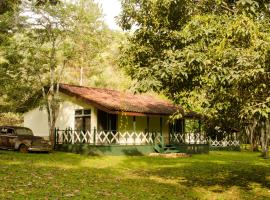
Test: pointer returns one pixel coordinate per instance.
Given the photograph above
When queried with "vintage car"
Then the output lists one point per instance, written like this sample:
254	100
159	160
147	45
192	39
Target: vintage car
22	139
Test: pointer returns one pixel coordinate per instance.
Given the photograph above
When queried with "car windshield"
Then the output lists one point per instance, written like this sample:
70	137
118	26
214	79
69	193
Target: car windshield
23	131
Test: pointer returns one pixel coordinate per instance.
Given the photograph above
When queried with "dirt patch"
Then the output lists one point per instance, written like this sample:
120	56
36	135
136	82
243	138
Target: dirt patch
170	155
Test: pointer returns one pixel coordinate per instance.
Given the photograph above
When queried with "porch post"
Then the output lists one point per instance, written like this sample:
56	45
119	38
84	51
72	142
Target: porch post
110	123
134	123
162	137
183	125
95	132
183	130
200	126
148	124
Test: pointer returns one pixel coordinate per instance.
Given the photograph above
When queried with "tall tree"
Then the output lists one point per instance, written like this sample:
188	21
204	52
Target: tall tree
211	53
49	42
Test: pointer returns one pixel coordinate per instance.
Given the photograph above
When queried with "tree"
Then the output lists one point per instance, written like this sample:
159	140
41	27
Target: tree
45	47
215	52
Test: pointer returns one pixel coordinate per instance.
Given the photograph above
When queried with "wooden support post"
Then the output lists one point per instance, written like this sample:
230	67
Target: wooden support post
200	126
110	123
134	124
183	126
72	136
94	135
160	128
107	121
148	124
183	130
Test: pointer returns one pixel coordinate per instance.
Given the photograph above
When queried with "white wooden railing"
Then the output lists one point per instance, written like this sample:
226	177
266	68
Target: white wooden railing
102	137
188	138
225	142
201	138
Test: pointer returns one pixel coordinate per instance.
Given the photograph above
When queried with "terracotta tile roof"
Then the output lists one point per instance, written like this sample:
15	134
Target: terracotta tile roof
113	101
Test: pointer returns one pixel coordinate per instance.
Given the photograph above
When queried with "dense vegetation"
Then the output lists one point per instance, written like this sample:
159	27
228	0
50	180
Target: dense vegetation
210	56
44	43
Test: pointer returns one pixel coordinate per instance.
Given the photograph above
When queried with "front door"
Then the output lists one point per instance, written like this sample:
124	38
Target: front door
177	132
106	121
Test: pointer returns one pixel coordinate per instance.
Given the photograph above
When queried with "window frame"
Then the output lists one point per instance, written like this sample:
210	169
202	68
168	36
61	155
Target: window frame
85	113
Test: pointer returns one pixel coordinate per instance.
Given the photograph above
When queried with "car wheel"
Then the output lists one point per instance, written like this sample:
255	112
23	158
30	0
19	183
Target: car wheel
23	148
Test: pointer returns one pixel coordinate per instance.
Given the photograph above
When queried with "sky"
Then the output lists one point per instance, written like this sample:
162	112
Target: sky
111	8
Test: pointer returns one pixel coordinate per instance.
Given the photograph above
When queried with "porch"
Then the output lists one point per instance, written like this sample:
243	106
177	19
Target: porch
110	142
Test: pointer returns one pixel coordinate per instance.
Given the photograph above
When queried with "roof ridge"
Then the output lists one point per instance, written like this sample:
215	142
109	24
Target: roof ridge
119	91
88	87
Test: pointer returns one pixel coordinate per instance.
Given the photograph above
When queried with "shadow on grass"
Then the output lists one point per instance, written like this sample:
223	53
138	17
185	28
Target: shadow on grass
197	172
46	182
132	177
33	157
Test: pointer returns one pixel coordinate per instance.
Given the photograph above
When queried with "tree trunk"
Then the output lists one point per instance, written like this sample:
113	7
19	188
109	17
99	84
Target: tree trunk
265	139
250	131
52	110
52	132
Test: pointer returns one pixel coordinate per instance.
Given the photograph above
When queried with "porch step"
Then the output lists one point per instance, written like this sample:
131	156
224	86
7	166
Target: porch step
172	151
167	149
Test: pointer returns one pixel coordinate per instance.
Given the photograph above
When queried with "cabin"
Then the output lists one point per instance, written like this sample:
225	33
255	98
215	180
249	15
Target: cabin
99	121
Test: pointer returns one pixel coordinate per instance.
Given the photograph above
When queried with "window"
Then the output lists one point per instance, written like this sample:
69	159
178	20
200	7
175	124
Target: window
6	131
83	120
3	131
23	131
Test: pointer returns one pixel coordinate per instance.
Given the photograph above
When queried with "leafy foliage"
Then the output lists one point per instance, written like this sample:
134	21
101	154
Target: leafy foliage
212	56
10	118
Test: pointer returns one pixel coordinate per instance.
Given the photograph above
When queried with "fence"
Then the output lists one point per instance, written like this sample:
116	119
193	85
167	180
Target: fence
188	138
231	140
102	137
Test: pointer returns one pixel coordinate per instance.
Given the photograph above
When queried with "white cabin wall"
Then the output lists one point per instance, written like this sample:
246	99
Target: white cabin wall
66	118
37	119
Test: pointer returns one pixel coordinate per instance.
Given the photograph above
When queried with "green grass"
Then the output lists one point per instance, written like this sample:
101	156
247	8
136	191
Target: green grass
219	175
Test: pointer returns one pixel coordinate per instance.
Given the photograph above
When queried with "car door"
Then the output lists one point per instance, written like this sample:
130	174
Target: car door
10	138
7	138
3	137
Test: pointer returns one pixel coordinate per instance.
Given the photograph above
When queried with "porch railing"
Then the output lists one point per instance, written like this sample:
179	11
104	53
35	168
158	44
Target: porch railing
102	137
231	140
188	138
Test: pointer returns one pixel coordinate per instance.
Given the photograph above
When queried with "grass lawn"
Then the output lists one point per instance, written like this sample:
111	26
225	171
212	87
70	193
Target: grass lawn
219	175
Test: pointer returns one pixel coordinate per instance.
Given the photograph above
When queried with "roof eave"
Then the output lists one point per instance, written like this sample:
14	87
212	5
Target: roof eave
108	110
